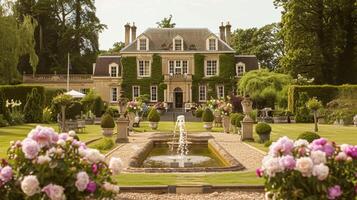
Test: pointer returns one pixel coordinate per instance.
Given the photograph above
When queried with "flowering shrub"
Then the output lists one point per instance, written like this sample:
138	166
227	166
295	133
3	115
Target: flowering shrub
47	165
223	107
303	170
134	106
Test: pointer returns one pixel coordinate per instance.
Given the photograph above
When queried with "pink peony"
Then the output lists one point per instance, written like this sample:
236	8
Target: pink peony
341	156
321	171
283	146
91	187
94	168
30	185
30	148
82	181
54	192
334	192
259	172
351	151
271	166
6	174
304	165
94	156
322	145
44	136
318	157
287	162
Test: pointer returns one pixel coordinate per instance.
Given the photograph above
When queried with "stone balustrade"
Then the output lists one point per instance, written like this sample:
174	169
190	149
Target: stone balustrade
56	78
178	77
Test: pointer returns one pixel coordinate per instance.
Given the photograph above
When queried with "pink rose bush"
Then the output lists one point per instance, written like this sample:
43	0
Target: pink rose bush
48	165
317	170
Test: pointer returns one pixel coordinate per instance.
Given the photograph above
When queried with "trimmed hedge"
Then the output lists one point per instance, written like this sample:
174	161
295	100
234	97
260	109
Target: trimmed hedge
207	115
324	93
153	115
20	92
262	128
107	121
309	136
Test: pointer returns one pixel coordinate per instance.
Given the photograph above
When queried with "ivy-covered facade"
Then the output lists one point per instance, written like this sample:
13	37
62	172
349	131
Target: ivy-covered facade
175	65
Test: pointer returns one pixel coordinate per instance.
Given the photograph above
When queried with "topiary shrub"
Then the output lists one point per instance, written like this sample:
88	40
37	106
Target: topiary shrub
98	106
74	110
263	128
199	113
239	118
107	121
33	107
207	115
153	115
309	136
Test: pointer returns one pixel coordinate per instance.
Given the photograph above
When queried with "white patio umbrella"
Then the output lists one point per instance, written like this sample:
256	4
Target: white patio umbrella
75	94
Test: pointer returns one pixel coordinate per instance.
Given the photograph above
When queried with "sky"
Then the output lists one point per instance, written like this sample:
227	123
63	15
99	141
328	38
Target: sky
186	13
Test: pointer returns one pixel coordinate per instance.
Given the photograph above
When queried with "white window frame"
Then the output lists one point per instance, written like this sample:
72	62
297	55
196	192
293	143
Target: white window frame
238	65
206	67
112	95
174	43
133	91
205	93
175	66
218	91
208	45
139	43
144	65
112	65
153	94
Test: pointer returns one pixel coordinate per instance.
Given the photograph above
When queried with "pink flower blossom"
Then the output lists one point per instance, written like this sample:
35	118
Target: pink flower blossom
259	172
30	185
322	145
334	192
318	157
95	168
321	171
44	136
304	165
54	192
287	162
30	148
91	187
351	151
82	181
283	146
6	174
115	165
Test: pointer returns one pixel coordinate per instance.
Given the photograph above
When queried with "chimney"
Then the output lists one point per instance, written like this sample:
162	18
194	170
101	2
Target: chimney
127	34
228	33
222	32
133	32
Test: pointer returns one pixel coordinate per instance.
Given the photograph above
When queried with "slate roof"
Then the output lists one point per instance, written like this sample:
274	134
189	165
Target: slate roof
161	40
102	64
250	61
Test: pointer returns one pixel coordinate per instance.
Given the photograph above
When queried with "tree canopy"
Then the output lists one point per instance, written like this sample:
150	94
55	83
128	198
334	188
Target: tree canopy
166	23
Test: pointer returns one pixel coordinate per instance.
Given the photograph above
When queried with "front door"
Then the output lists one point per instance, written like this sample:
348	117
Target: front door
178	99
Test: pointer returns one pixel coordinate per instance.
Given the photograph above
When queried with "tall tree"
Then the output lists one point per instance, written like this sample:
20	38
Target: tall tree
265	42
166	23
320	39
16	39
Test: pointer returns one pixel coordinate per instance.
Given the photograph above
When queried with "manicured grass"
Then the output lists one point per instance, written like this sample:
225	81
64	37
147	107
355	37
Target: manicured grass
168	127
232	178
339	134
13	133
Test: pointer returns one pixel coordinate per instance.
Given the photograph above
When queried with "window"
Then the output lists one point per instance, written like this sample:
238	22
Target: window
212	44
178	43
114	70
202	93
144	68
114	94
220	91
211	68
143	43
178	67
153	93
136	91
240	69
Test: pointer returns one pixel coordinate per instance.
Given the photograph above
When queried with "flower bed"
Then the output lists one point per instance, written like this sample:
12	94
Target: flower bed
303	170
47	165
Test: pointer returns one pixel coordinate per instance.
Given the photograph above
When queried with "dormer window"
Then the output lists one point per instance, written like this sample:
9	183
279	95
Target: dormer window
178	43
240	69
212	44
143	43
114	70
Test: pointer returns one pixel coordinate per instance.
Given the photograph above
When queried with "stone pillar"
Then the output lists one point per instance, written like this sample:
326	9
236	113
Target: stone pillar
127	34
228	33
222	32
122	130
248	122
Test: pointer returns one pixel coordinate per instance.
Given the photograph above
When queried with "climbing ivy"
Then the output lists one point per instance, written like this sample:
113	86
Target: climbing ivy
130	77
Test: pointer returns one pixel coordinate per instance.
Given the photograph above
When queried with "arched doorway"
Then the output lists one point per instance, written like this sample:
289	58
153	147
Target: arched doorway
178	97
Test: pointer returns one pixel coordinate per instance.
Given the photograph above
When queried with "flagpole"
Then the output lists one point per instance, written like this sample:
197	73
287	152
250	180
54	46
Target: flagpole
68	73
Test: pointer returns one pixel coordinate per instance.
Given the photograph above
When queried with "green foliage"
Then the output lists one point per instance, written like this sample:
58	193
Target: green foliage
267	143
264	87
3	121
309	136
233	118
325	93
104	144
199	112
302	113
98	106
47	116
262	128
112	111
50	93
153	115
107	121
265	42
130	77
319	40
20	92
207	115
239	118
313	104
74	110
33	107
166	23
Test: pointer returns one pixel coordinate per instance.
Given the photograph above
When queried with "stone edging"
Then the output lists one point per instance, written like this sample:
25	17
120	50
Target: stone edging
255	148
93	140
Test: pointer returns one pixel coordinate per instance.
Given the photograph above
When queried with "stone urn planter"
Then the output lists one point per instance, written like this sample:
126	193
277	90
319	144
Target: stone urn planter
208	125
108	132
226	123
131	117
154	118
153	125
107	124
207	118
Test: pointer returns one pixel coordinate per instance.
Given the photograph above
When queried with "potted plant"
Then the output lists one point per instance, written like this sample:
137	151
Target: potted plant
263	130
107	125
225	110
238	121
133	107
314	104
154	118
207	118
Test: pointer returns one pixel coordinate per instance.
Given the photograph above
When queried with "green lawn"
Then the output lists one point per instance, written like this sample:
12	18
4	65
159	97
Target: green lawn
233	178
168	127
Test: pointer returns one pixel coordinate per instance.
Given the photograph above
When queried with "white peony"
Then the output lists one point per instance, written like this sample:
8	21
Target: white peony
82	181
341	156
72	133
111	188
94	156
115	165
61	142
43	160
321	171
30	185
318	157
271	166
304	165
301	143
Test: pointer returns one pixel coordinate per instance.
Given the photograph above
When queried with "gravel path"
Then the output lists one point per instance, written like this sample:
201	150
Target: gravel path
213	196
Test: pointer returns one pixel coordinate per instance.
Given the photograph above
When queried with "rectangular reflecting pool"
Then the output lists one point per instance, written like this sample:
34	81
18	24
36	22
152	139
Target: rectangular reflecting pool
164	156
